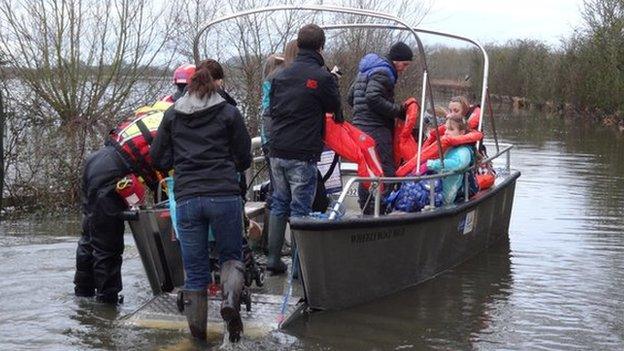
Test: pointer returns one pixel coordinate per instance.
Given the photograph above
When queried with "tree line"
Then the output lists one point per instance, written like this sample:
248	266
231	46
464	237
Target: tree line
585	75
72	69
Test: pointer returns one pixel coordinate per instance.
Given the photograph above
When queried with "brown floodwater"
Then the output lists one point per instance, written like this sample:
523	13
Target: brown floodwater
557	284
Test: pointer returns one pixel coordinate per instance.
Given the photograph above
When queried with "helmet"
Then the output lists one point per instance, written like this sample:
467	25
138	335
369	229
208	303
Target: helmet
182	74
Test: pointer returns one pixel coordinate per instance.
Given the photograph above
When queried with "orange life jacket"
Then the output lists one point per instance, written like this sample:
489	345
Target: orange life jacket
485	181
354	145
404	144
473	123
430	152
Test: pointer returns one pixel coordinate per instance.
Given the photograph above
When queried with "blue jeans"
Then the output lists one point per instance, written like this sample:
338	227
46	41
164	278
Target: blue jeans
294	187
195	216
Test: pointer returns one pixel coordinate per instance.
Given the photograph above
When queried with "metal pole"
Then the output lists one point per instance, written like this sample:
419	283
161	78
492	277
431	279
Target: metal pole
432	193
508	165
466	190
421	122
491	113
378	199
2	122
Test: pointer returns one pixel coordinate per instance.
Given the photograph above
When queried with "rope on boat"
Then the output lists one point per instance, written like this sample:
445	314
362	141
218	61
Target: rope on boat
282	314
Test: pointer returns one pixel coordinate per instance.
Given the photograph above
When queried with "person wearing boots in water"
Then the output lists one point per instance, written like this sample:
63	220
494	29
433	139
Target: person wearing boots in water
300	96
205	140
100	249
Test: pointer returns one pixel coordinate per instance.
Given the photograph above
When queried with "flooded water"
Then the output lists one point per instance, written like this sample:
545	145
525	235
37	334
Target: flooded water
558	284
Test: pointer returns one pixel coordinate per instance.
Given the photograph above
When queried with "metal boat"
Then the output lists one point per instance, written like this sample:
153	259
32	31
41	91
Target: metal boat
357	259
347	258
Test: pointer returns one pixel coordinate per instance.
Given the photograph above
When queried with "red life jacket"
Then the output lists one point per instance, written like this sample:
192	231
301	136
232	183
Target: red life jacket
473	123
354	145
430	152
404	144
132	139
485	181
131	190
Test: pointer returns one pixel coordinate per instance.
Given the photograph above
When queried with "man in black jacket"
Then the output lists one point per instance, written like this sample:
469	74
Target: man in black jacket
374	111
300	96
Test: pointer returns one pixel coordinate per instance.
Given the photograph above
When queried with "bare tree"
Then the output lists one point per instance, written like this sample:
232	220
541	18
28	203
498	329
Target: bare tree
83	65
2	122
243	44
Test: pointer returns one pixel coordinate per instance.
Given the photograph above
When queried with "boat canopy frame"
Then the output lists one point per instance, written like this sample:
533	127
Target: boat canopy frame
400	24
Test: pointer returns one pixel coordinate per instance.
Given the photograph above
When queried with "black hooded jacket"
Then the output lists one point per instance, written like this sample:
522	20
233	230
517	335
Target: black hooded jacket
300	96
101	172
207	144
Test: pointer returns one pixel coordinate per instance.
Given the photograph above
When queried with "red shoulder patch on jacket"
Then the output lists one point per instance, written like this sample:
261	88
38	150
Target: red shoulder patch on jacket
312	84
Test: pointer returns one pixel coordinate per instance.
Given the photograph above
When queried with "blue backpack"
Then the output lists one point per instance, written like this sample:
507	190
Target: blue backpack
413	196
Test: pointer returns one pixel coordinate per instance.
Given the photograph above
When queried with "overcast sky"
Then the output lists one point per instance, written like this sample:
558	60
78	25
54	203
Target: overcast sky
501	20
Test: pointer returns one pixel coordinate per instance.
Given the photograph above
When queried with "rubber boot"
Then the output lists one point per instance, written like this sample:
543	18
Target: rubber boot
196	312
84	286
232	280
277	230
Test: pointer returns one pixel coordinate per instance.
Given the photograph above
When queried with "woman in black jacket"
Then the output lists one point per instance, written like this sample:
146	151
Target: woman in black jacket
204	139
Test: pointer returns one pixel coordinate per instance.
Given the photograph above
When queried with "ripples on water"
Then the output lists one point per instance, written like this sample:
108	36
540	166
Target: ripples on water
558	284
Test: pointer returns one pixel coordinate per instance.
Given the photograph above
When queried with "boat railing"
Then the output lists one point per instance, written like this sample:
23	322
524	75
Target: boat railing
376	183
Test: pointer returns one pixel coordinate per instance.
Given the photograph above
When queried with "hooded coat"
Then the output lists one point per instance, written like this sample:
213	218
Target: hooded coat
206	142
372	93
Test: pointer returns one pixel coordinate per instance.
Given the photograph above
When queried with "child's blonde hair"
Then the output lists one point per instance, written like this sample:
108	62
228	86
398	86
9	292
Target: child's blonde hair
459	121
440	111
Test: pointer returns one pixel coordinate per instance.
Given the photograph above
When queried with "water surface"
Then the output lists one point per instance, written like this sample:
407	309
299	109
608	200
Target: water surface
557	284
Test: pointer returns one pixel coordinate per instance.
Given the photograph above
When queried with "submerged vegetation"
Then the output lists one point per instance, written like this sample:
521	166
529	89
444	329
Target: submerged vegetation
71	69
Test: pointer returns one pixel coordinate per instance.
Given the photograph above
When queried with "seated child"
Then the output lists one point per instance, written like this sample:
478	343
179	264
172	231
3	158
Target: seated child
456	158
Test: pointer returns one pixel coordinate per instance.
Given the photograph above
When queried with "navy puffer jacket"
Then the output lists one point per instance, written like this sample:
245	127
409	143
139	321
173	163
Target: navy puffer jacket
372	93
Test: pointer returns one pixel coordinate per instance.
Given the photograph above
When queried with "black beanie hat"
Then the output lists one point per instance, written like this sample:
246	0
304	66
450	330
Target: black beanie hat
400	52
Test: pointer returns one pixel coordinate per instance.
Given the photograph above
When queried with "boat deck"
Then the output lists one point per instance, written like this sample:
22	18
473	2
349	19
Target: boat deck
161	312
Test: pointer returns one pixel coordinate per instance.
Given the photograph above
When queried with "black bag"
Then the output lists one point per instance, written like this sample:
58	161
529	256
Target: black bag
321	200
473	187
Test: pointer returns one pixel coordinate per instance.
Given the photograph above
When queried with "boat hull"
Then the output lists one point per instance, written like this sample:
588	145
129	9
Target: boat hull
351	261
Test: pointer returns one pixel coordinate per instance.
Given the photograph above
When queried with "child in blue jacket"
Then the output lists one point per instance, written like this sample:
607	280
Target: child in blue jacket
456	158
